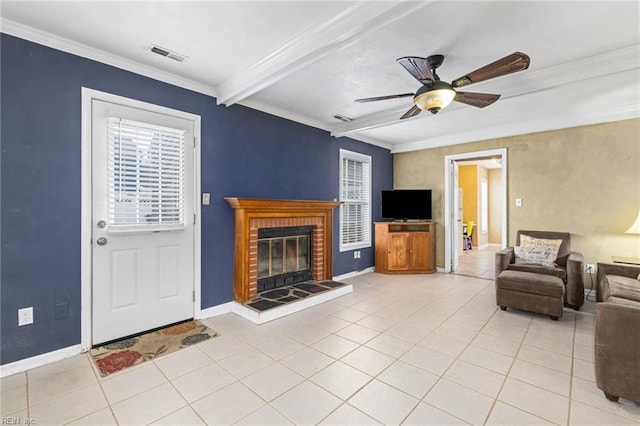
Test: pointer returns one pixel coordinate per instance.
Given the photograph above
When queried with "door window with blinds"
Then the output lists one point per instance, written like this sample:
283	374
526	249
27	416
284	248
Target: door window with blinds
145	176
355	194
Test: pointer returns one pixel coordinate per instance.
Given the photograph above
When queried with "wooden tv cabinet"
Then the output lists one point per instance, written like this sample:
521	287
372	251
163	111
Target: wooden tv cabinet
405	247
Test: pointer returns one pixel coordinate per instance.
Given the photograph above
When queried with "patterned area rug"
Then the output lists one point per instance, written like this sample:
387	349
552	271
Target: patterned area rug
116	356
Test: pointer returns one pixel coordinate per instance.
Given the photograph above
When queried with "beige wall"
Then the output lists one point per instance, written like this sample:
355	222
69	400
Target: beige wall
583	180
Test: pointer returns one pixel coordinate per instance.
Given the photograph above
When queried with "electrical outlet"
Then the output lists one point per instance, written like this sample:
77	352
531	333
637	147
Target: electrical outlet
590	268
25	316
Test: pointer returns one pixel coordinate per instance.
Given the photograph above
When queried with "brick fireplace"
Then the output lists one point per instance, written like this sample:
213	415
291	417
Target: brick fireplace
252	214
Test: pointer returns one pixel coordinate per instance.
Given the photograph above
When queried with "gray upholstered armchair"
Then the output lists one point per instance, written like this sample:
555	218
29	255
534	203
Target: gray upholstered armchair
617	335
569	265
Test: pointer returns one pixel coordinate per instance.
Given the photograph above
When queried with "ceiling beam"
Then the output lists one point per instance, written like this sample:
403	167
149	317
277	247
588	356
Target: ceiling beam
324	39
615	61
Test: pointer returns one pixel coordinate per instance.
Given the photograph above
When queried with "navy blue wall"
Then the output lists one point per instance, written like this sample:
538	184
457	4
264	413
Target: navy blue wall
245	153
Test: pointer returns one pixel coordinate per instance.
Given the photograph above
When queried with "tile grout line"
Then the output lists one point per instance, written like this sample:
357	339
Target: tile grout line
506	375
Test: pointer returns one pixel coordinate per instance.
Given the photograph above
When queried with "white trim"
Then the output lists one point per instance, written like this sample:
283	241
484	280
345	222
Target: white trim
525	126
39	360
450	192
85	51
214	311
354	273
321	40
88	95
362	158
290	308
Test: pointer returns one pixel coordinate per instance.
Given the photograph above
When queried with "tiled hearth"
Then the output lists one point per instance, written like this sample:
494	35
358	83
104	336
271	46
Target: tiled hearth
282	296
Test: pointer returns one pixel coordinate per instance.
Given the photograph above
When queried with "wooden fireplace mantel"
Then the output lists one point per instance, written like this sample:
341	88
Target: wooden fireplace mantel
254	213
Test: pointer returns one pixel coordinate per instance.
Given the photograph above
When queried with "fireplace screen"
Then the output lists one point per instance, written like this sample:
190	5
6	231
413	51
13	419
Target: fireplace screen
284	256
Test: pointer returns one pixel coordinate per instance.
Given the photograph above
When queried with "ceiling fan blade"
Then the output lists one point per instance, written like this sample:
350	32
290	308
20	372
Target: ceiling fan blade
418	68
479	100
384	98
412	112
509	64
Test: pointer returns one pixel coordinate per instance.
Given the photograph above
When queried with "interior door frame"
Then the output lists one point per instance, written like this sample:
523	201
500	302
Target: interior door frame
450	192
86	213
455	239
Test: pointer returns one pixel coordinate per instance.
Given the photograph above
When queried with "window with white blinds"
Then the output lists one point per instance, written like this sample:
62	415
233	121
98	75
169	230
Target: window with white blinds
355	194
145	176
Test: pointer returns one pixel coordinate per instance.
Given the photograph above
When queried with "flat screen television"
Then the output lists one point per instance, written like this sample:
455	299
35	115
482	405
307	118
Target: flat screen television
406	204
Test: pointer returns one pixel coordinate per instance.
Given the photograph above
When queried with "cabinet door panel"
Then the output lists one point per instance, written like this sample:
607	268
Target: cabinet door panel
420	253
398	247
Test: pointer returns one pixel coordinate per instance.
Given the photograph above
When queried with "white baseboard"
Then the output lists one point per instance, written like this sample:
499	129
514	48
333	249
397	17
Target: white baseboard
225	308
354	273
39	360
213	311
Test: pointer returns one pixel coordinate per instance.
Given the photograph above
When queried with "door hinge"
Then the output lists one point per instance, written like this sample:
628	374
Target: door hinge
193	293
195	140
194	218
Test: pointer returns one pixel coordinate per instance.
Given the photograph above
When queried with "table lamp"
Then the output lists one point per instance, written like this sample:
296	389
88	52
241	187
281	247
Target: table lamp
635	228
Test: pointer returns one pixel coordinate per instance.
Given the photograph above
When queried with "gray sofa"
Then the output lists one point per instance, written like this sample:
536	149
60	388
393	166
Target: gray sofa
537	288
617	334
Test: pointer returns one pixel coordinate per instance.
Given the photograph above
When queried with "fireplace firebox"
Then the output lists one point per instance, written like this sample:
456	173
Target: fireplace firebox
284	256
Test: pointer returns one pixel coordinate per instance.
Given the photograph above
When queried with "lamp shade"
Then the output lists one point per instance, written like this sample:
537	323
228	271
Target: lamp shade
635	228
434	98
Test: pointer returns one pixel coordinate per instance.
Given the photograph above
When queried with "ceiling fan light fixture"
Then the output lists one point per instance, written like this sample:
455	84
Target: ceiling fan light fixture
434	98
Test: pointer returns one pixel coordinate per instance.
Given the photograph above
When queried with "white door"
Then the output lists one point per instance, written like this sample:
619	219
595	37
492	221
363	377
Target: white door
142	220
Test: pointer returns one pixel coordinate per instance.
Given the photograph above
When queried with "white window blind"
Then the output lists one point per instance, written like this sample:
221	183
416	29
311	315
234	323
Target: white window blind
355	193
145	176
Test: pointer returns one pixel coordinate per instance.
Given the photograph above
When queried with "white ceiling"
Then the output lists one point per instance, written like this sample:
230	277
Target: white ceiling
309	60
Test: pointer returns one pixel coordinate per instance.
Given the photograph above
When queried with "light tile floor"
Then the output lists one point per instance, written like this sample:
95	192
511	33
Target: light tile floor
414	349
478	262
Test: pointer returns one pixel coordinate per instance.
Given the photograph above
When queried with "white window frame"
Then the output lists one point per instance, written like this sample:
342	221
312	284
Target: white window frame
366	240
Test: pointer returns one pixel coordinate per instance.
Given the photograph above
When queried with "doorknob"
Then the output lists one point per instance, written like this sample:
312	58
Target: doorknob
102	241
102	224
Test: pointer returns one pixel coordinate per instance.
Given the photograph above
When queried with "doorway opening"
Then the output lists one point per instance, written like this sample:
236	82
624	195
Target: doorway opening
475	211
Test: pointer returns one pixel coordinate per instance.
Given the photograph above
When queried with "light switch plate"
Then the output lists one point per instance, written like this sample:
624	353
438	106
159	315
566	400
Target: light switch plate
518	202
206	199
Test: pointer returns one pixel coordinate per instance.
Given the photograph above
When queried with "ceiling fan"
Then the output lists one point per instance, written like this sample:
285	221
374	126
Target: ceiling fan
434	94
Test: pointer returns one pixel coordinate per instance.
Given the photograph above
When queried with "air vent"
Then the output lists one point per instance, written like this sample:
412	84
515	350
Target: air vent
343	118
167	53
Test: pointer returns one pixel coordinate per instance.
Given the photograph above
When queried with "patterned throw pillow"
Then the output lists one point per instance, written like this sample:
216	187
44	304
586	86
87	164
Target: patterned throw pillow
543	255
529	241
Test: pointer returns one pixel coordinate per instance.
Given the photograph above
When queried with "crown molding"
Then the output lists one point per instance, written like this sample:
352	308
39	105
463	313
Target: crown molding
615	61
371	141
324	39
82	50
283	113
288	115
526	126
